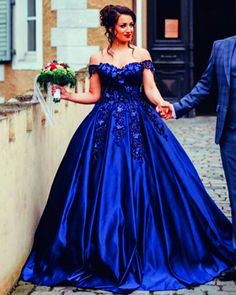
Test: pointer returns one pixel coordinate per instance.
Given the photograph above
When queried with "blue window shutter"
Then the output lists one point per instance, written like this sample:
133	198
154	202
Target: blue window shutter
5	30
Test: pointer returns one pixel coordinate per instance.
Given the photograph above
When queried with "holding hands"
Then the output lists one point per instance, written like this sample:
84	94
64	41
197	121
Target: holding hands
165	109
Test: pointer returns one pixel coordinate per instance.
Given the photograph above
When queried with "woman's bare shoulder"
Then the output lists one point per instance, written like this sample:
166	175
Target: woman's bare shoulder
95	58
142	53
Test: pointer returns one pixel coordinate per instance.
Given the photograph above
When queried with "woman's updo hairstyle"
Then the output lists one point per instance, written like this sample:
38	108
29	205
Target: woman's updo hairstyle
108	18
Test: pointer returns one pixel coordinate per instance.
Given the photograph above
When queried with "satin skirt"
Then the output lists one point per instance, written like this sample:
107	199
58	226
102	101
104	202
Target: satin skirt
127	212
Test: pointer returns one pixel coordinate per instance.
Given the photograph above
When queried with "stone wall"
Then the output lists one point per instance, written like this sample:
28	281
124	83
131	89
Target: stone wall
30	155
70	35
96	35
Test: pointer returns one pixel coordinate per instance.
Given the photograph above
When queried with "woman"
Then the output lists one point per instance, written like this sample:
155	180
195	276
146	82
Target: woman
127	209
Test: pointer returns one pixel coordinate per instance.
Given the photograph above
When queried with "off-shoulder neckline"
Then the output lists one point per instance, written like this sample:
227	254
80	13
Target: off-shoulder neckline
130	63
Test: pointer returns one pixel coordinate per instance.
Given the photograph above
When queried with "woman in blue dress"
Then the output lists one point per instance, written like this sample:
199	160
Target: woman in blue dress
127	210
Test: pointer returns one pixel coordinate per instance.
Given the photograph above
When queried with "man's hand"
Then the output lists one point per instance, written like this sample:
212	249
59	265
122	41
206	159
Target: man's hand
165	109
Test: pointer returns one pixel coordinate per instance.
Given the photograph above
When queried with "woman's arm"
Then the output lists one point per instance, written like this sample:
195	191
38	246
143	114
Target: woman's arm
90	97
149	84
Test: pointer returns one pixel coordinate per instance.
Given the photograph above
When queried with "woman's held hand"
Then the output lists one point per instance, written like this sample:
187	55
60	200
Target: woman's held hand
165	110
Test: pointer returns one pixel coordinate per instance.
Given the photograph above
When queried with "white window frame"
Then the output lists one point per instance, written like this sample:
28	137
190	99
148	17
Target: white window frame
24	59
2	73
139	23
32	18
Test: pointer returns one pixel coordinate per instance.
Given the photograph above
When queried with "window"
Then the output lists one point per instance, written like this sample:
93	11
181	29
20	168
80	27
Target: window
31	25
5	31
27	35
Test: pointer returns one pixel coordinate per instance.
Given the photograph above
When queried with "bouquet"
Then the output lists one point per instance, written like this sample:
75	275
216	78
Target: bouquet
54	72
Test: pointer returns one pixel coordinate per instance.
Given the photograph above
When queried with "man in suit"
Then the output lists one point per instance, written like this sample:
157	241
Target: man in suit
220	72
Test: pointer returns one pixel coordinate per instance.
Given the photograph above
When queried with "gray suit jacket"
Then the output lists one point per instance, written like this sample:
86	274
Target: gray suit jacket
218	71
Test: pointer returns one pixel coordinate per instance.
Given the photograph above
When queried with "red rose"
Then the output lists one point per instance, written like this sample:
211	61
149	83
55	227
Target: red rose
53	66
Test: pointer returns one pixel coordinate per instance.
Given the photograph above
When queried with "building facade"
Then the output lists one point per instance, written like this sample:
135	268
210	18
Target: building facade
179	35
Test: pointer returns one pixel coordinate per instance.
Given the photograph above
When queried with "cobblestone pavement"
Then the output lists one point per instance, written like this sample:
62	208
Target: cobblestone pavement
197	137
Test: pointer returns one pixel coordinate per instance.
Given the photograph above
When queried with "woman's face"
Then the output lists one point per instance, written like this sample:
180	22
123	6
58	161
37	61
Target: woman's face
124	28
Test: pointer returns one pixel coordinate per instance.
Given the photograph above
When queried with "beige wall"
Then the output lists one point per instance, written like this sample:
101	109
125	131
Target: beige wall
49	21
96	35
17	82
30	155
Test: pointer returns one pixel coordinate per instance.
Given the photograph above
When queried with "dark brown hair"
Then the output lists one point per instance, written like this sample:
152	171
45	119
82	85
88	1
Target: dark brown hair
108	18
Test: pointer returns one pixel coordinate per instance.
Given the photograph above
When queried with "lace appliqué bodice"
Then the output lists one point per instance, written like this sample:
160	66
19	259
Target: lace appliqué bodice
121	100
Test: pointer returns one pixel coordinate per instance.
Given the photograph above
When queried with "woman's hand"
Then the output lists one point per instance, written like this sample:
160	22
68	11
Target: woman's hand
165	110
64	93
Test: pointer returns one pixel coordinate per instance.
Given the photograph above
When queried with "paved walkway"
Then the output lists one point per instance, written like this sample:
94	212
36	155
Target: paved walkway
197	137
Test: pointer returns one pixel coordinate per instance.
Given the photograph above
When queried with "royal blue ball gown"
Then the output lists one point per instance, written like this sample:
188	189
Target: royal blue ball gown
127	210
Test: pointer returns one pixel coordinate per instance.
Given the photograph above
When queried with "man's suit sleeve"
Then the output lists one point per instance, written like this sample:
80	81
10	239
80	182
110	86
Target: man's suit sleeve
200	91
